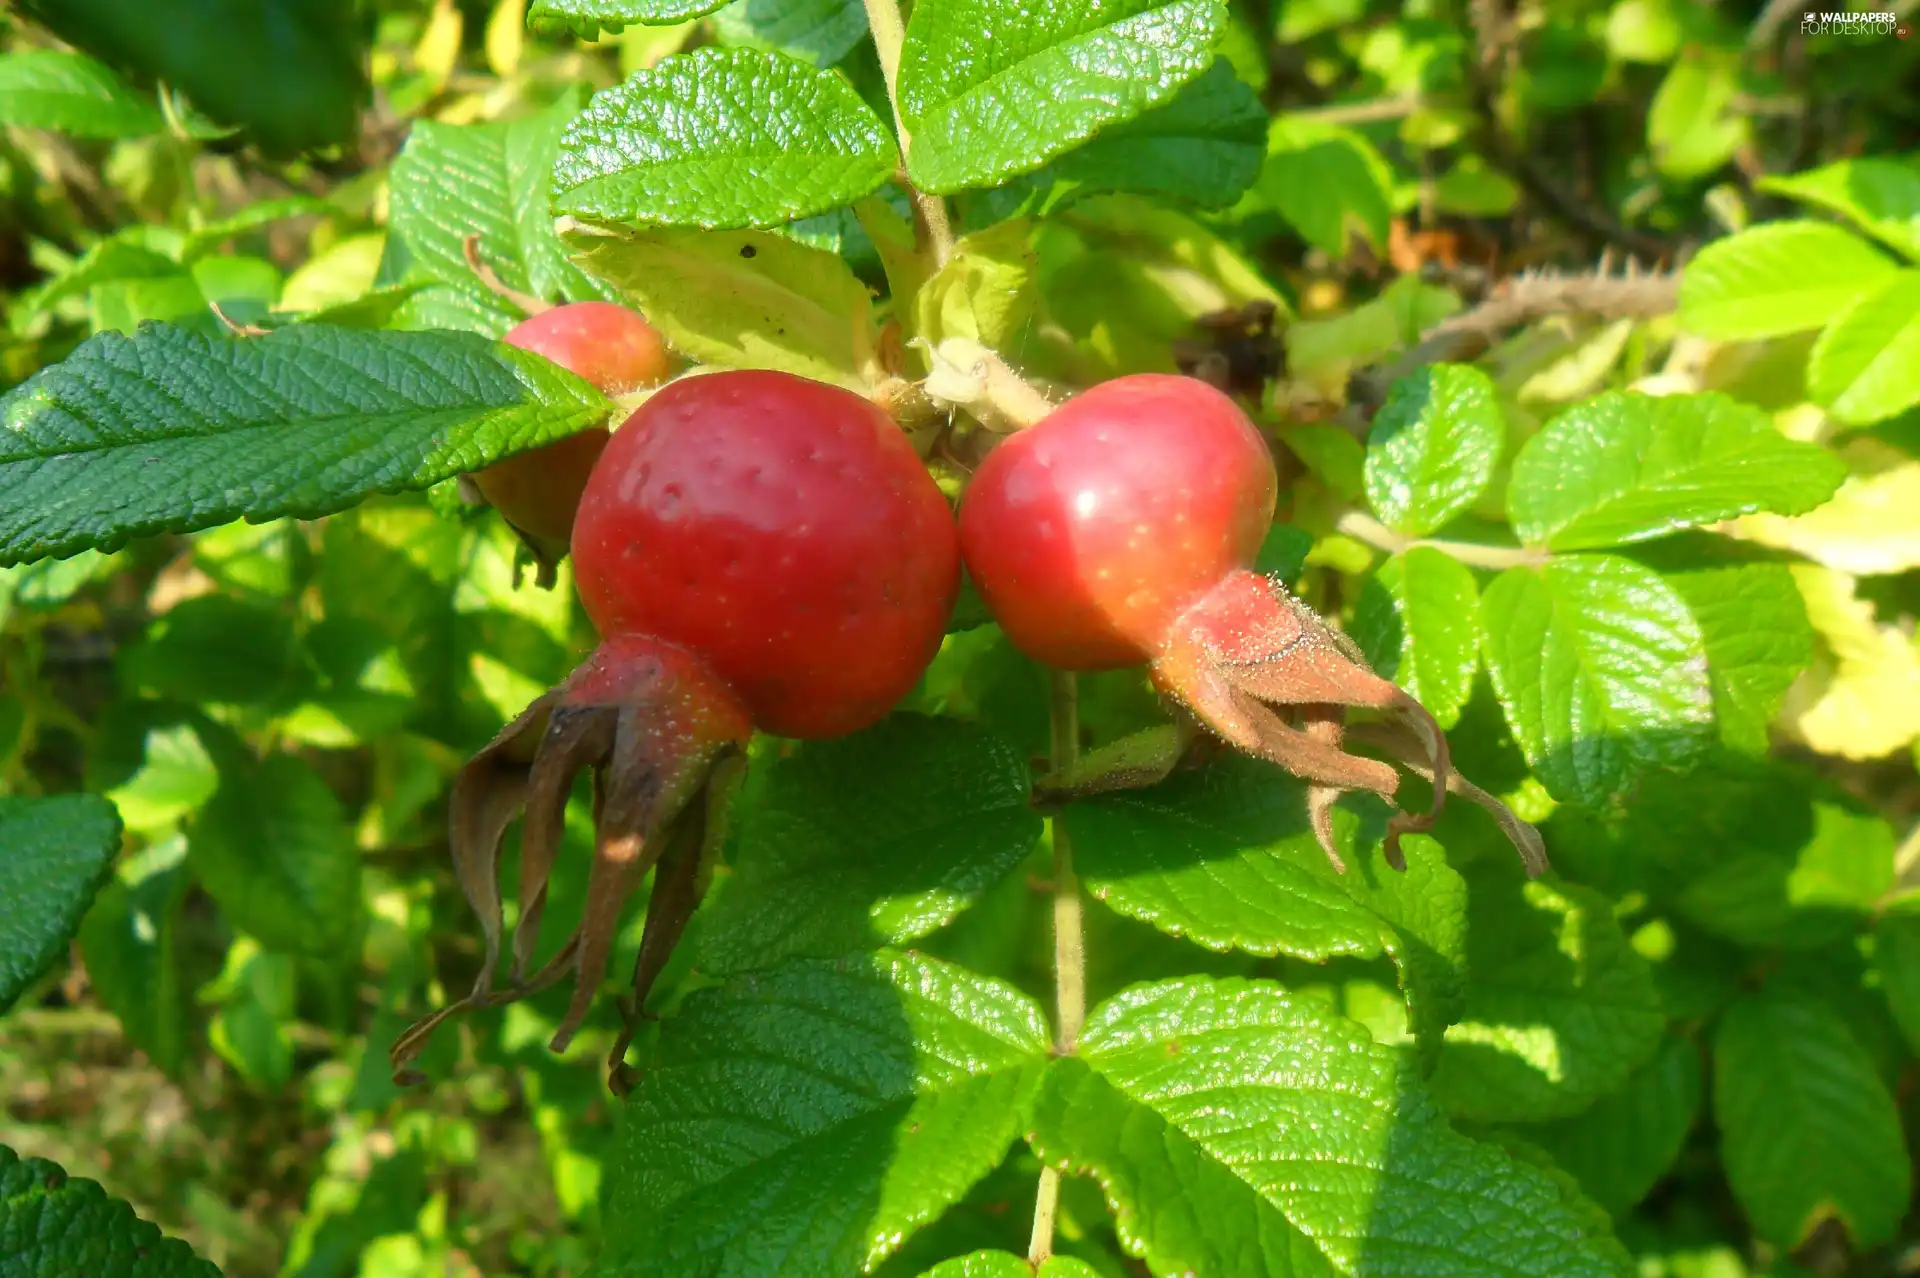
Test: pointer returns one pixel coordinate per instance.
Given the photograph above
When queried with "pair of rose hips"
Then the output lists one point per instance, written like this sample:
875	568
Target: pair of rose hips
763	551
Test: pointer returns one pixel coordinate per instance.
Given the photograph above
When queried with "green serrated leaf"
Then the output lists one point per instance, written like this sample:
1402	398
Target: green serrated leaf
742	299
55	1224
124	255
1601	670
58	851
1778	277
1433	447
873	840
1328	182
1808	1132
1225	857
494	181
127	939
1693	126
1879	195
72	93
820	32
587	18
807	1118
1865	367
291	70
1758	639
1204	147
274	849
1624	467
1237	1130
1418	621
1622	1145
722	138
1559	1008
1004	1264
992	88
175	431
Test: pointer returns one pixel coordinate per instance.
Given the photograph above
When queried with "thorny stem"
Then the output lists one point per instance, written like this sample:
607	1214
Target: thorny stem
1374	533
929	211
1069	945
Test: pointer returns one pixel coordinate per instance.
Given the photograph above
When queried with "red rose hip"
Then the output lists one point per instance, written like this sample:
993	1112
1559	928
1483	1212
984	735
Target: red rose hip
1088	534
786	531
1123	529
758	551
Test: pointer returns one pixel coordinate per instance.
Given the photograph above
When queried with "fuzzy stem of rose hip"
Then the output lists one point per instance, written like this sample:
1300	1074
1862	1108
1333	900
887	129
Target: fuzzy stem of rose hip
1069	942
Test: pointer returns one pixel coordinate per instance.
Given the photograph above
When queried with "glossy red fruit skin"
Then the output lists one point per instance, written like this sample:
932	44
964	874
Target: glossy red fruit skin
1089	533
612	347
782	529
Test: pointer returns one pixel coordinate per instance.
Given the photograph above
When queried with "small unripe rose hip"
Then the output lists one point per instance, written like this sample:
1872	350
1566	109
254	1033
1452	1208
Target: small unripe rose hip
610	346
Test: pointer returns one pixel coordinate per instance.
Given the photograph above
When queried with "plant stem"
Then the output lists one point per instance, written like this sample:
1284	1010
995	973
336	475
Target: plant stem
929	211
1069	945
1370	530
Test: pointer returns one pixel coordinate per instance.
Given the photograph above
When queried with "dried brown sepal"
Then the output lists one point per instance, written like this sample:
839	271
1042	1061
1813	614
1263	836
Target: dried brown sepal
1526	840
1264	672
652	725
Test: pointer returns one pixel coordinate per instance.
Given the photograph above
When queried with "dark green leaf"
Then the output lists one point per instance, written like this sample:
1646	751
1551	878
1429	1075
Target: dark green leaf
1559	1010
1601	670
274	849
807	1118
1624	467
993	88
57	854
174	431
722	138
1418	621
1808	1131
1237	1130
1225	857
494	181
291	70
70	92
1433	447
54	1225
873	840
1621	1147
